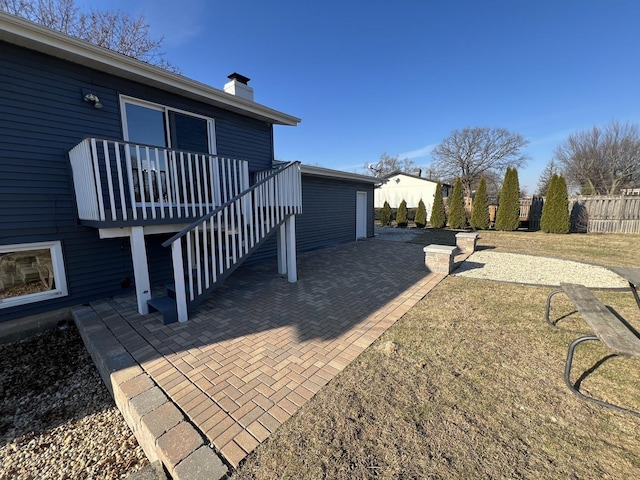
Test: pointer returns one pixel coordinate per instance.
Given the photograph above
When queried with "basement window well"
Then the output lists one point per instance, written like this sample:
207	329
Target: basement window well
31	272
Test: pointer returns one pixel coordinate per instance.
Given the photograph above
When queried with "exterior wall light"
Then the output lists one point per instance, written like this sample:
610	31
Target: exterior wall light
93	98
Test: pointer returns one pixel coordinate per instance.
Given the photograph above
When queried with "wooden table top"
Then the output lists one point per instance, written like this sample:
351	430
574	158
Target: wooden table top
631	275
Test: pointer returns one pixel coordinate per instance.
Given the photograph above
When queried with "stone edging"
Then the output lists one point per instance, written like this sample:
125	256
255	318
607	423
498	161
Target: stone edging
160	427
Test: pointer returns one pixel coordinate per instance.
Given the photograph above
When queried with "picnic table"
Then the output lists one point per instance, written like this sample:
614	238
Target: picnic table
631	275
614	333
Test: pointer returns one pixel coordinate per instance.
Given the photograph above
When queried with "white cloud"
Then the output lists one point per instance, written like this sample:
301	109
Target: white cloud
356	168
420	152
554	138
178	22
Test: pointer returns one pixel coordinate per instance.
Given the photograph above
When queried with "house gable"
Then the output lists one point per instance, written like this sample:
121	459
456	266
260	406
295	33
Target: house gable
399	186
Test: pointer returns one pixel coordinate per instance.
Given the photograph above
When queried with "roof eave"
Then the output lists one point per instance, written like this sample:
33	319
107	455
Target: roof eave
329	173
27	34
398	172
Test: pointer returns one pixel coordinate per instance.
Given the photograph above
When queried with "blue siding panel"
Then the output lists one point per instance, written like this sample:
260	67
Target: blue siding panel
251	142
329	212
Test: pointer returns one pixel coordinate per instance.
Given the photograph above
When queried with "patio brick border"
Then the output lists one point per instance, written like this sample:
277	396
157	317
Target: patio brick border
160	427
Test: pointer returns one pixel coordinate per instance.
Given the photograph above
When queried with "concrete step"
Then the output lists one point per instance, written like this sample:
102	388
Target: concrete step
165	305
171	290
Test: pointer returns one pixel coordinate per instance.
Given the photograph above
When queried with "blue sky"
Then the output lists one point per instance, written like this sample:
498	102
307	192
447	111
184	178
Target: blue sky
368	77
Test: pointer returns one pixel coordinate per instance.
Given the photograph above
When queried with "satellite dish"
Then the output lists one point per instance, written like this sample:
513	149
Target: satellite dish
377	169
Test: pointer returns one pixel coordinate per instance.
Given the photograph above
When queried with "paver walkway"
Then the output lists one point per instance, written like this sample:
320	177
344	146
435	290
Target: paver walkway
258	349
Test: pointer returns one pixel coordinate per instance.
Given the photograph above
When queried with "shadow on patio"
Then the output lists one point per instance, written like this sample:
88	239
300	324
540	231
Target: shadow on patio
259	347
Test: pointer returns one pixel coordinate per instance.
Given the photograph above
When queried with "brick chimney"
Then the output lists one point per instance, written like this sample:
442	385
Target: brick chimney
237	85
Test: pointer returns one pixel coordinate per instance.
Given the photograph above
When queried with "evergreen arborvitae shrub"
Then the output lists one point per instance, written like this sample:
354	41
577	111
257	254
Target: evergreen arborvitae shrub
401	215
555	210
385	214
563	219
508	216
457	214
421	215
438	217
548	205
480	215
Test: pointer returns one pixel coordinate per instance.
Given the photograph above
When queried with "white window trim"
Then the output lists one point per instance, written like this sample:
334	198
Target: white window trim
211	124
364	194
57	263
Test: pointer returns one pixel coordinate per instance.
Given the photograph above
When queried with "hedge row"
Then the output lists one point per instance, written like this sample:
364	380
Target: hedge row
411	214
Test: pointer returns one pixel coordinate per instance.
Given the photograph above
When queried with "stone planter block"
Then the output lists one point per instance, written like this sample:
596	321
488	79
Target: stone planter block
439	258
466	241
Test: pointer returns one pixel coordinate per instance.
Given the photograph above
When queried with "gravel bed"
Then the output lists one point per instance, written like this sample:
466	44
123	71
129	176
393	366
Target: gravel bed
511	267
57	419
518	268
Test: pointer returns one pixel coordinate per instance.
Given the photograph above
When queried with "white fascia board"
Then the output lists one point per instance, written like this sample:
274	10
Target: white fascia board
27	34
407	175
119	232
326	172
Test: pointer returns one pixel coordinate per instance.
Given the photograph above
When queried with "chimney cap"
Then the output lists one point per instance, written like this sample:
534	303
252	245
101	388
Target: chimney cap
240	78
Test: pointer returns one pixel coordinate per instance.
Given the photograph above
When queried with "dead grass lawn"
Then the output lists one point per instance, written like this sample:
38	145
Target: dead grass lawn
608	250
468	384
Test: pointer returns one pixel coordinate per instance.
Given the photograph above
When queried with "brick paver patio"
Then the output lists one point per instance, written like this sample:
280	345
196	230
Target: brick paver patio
257	350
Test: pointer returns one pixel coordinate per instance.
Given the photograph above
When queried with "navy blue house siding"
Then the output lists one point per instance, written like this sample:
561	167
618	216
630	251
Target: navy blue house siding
329	212
328	215
43	116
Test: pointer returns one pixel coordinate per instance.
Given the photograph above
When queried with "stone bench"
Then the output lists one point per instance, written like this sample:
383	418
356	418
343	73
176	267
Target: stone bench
439	258
466	241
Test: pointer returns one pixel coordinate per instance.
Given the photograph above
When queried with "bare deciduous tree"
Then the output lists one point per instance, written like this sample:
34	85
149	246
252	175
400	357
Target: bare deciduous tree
474	152
601	161
494	183
388	164
114	30
547	174
57	15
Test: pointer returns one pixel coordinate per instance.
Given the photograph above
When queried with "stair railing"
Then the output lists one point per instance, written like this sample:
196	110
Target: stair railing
209	249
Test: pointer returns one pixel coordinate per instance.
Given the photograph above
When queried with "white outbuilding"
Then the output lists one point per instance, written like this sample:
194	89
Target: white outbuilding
398	186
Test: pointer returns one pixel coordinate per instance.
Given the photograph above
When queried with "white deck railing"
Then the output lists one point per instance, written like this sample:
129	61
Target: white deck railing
128	182
212	247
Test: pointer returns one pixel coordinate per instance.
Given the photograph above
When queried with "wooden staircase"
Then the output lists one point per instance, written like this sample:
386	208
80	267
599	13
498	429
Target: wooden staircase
209	250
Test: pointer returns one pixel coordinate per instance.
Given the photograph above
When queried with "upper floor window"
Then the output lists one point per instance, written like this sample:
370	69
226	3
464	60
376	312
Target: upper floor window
158	125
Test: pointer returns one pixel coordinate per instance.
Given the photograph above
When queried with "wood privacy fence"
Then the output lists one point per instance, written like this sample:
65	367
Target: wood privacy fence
592	213
605	214
530	211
